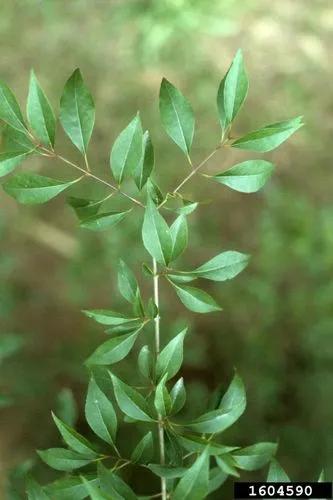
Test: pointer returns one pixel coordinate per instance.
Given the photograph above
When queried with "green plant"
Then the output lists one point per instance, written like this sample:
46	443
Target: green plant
185	449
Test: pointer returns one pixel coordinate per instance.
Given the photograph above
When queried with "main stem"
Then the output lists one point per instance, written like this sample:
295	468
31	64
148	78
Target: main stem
157	350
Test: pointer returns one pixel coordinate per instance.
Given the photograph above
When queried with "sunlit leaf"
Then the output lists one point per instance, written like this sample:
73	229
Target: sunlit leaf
232	91
100	222
40	114
146	165
32	189
156	234
276	474
9	161
246	177
77	111
179	236
176	115
10	111
269	137
126	153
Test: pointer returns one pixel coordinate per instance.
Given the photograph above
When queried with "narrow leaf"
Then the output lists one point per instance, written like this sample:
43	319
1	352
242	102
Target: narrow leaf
10	111
167	471
100	222
254	457
70	488
127	282
143	452
162	399
130	401
73	439
276	474
246	177
269	137
194	484
145	362
227	464
93	491
146	165
40	114
156	234
196	300
9	161
196	444
177	116
216	479
179	236
35	491
32	189
170	358
77	111
178	396
100	413
113	350
232	91
224	266
83	207
114	485
108	317
126	153
64	460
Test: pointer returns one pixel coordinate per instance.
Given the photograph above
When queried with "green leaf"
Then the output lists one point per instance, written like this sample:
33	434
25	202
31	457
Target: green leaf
269	137
16	140
73	439
77	111
145	362
154	192
9	161
70	488
84	208
216	479
146	165
35	491
156	234
276	474
67	407
196	300
126	153
114	485
162	399
187	208
232	406
10	111
152	309
179	236
167	471
108	317
232	91
170	358
100	413
246	177
64	460
227	465
224	266
194	484
93	491
40	114
254	457
113	350
130	401
127	283
178	396
100	222
144	450
177	116
32	189
197	444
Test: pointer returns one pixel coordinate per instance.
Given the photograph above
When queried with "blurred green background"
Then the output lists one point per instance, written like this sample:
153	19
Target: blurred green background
277	323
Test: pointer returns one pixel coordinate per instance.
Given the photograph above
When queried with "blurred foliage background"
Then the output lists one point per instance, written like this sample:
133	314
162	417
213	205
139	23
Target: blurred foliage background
276	327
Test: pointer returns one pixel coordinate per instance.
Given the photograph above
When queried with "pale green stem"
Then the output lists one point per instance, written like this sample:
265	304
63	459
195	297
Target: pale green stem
157	350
